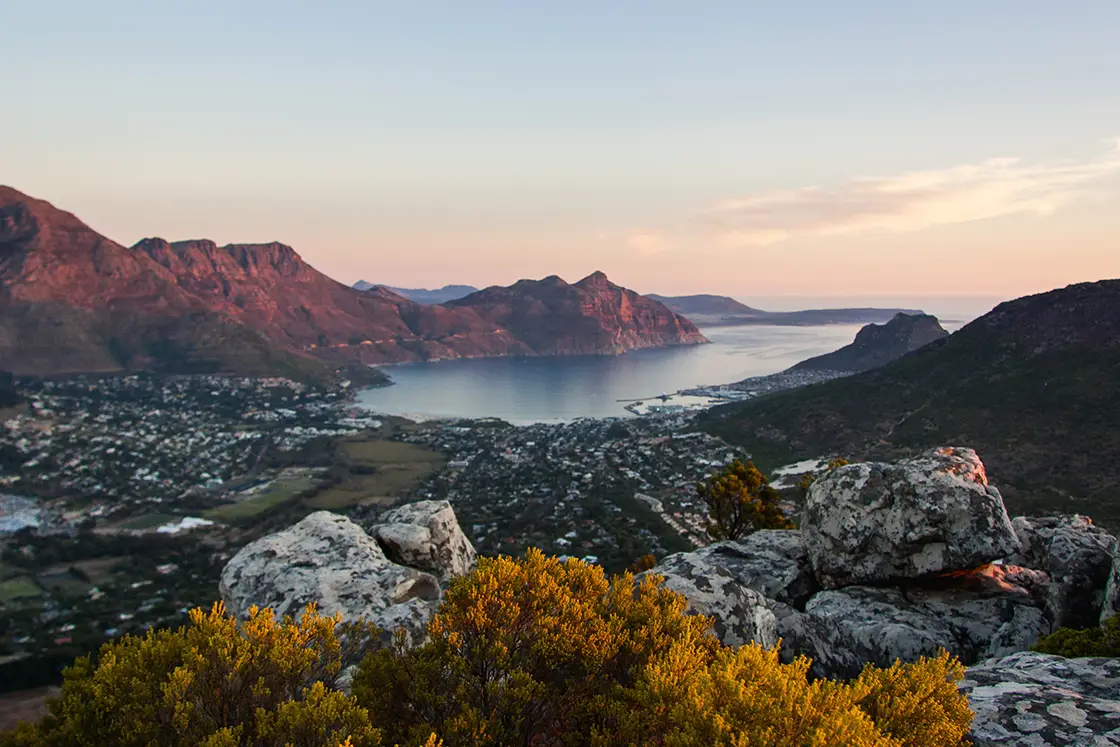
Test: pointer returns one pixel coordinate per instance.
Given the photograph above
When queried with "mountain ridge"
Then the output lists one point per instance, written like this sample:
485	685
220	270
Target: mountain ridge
74	301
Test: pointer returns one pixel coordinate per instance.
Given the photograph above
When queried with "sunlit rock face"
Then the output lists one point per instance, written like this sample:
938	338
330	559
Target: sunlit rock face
880	522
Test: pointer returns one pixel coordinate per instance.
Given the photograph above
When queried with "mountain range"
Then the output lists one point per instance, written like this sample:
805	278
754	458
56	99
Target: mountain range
724	311
1032	386
423	295
74	301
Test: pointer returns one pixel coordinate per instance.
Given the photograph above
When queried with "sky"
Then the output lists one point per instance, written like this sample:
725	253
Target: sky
759	150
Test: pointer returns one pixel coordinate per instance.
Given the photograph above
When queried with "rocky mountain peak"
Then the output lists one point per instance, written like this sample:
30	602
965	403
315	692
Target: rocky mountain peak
595	279
878	344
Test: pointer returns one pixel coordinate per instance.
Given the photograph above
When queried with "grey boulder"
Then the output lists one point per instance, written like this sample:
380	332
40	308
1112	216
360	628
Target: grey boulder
1029	699
327	559
741	614
1110	605
426	535
1077	555
875	522
773	562
842	629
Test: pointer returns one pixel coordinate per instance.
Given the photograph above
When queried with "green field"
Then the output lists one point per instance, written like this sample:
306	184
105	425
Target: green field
148	521
279	493
21	587
379	471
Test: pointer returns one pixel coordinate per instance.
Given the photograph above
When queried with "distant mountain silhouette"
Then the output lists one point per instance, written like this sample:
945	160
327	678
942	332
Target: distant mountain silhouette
878	344
724	311
1032	386
422	295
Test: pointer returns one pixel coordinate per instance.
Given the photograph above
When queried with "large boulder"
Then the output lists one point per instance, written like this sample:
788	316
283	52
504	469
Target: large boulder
875	522
741	614
1110	605
1029	699
973	619
773	562
426	535
327	559
1077	555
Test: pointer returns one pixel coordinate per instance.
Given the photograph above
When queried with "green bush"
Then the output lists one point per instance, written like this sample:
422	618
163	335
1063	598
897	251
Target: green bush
1102	641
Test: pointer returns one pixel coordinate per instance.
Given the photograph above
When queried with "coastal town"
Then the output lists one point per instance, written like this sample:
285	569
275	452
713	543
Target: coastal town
122	497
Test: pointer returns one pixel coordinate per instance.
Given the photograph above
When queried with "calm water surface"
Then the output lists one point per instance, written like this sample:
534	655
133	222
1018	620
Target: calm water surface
528	390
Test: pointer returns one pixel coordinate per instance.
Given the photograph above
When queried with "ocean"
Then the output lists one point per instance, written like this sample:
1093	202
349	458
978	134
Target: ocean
556	389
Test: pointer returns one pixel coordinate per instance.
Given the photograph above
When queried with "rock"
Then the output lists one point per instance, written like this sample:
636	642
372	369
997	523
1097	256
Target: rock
842	629
329	560
875	522
1077	555
773	562
741	614
426	535
1029	699
1110	605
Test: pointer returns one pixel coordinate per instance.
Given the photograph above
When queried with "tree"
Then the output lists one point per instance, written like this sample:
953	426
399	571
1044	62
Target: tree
741	500
216	683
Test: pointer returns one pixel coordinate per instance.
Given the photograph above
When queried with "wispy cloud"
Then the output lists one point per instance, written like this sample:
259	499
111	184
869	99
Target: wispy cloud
904	203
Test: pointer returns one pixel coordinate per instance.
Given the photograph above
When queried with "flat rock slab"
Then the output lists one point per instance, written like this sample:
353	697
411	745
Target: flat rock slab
1039	700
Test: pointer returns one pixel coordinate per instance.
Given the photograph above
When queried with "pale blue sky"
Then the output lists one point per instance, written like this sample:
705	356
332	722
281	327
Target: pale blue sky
419	143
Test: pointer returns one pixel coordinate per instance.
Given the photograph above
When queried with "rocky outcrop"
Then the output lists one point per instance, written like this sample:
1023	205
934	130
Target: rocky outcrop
328	560
843	629
1037	700
426	535
1078	557
879	522
918	536
773	562
740	613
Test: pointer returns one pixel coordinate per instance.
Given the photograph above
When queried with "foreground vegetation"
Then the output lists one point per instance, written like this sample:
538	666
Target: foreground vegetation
527	652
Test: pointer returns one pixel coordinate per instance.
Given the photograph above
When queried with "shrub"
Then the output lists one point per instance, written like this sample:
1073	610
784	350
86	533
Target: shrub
917	704
539	652
740	500
1102	641
213	683
524	652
